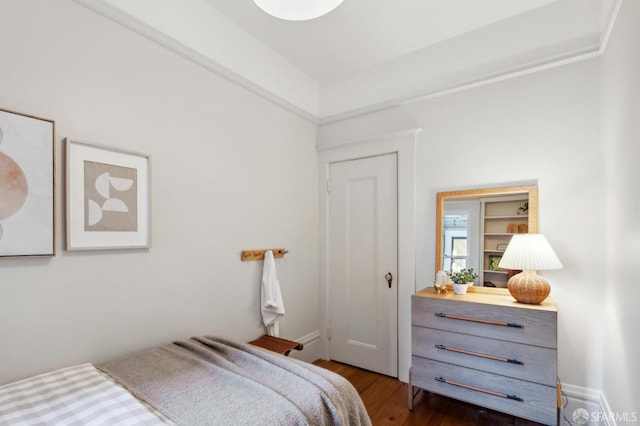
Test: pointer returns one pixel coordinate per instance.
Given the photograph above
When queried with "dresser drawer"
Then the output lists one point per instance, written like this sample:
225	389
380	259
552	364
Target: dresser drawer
530	400
532	363
515	323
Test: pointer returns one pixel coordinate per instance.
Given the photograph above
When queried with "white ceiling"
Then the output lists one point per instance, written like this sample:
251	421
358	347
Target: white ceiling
369	54
362	33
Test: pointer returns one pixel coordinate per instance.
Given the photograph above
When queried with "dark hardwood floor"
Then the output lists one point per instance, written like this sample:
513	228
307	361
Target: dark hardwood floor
386	401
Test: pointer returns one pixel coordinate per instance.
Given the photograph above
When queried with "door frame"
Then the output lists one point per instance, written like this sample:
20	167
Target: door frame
403	144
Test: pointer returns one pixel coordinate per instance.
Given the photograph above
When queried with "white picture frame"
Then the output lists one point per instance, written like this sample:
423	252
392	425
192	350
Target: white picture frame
108	197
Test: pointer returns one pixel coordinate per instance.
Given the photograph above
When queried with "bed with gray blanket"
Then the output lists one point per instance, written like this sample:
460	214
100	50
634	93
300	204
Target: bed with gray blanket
199	381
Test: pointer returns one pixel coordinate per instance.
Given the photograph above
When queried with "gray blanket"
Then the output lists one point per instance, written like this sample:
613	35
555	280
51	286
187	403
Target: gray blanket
212	381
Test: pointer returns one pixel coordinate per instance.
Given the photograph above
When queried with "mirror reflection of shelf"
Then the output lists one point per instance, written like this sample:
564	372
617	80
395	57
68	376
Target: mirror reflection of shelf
500	219
520	216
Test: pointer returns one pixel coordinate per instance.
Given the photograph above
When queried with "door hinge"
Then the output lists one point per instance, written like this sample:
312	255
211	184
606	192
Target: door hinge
329	333
329	186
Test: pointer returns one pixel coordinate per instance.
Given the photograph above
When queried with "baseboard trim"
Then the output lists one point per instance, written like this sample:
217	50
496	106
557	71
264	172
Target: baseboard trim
592	400
309	338
311	350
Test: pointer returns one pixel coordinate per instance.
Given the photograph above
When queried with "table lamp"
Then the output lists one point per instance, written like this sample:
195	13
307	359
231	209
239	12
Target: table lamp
529	253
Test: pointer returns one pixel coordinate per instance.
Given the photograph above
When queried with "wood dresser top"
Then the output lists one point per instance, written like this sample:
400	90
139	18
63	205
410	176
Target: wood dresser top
486	298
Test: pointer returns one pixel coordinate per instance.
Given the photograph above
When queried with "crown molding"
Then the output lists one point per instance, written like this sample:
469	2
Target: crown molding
585	52
118	16
467	84
611	20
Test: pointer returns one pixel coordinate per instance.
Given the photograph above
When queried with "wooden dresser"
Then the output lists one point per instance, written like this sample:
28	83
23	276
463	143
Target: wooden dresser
488	350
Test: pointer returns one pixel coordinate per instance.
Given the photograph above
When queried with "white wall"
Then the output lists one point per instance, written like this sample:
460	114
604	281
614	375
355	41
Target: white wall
231	171
621	134
540	128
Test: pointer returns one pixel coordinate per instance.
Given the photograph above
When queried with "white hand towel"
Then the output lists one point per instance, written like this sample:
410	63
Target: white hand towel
271	297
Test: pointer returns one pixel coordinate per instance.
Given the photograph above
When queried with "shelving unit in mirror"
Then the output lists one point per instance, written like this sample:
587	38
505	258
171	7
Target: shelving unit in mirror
502	217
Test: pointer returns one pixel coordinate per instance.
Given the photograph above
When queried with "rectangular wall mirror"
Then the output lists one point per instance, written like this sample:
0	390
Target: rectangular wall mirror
474	226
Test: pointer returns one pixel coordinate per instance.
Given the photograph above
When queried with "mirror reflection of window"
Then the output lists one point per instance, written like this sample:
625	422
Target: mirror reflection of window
455	242
461	235
459	253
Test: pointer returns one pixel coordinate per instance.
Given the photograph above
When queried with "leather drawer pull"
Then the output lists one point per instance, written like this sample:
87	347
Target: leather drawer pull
481	355
483	321
477	389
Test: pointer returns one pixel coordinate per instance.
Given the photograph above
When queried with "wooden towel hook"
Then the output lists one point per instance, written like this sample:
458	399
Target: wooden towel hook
259	254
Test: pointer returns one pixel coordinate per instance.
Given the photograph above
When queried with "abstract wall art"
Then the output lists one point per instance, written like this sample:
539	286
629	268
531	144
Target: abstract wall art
108	194
27	222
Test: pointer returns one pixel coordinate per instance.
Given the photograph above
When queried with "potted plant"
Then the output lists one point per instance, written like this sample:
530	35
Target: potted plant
462	279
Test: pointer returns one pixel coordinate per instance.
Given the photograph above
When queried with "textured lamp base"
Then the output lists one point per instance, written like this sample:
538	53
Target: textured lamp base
528	287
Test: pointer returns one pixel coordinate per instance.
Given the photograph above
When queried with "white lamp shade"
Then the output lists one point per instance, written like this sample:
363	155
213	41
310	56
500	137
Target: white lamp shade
529	252
297	10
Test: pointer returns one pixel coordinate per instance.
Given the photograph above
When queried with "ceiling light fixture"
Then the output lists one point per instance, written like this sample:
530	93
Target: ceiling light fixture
297	10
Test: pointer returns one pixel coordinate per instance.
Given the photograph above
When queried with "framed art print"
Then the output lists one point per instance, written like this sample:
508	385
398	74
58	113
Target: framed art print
108	197
27	182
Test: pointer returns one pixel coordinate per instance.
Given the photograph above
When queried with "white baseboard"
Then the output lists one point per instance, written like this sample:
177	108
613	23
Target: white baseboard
309	338
593	401
311	350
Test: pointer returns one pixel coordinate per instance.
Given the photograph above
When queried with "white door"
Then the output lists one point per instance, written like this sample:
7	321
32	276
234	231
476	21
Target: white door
363	258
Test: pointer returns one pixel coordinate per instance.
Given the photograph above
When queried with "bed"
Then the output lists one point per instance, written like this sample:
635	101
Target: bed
200	381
